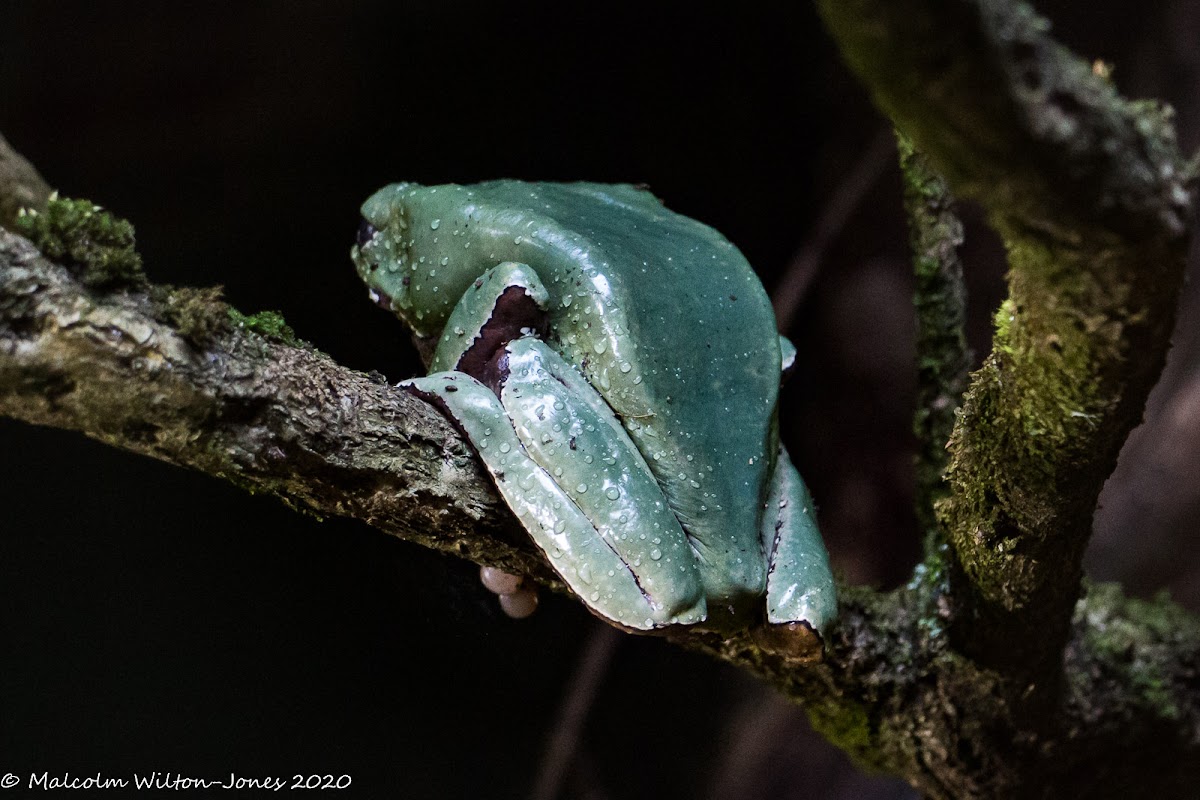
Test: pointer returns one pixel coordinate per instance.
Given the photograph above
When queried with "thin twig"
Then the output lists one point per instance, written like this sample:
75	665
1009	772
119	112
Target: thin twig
578	699
843	201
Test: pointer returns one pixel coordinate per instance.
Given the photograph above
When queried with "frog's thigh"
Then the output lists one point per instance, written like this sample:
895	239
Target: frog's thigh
555	523
568	429
799	584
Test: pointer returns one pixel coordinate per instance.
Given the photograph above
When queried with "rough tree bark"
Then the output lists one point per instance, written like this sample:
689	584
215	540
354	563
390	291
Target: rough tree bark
988	676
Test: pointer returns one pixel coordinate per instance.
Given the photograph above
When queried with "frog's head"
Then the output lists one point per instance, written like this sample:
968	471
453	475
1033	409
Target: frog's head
410	254
382	253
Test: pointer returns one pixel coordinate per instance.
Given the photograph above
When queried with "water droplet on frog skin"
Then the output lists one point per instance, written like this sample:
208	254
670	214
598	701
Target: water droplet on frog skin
435	224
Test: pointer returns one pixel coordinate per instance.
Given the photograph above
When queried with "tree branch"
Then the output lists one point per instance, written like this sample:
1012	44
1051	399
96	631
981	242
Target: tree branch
1092	199
935	233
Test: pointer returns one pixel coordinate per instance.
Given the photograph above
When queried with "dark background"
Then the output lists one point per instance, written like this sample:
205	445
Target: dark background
155	619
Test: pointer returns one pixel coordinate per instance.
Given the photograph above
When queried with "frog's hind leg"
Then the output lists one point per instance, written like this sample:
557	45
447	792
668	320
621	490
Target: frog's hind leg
625	577
800	586
568	429
560	458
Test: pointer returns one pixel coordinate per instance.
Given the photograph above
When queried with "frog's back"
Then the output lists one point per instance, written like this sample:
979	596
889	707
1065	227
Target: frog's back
667	320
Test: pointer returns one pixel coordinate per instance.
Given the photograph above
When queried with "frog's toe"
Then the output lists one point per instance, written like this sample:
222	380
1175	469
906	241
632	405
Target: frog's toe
517	599
787	358
520	604
800	586
497	581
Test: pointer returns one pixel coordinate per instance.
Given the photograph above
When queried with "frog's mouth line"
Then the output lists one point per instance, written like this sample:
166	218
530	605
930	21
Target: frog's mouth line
380	299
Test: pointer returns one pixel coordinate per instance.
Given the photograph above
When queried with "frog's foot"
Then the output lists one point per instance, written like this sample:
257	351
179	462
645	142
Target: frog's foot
517	599
787	358
568	470
801	598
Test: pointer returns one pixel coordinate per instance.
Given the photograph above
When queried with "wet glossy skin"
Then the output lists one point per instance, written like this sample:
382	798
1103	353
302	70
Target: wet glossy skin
628	372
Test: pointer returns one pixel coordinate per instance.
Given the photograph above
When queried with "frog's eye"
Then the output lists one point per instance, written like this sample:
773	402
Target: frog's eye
366	232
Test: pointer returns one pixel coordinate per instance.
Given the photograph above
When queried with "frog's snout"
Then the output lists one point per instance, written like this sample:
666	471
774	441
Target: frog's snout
365	261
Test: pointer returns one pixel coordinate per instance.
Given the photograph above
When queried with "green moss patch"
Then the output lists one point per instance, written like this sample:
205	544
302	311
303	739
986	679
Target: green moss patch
97	246
267	323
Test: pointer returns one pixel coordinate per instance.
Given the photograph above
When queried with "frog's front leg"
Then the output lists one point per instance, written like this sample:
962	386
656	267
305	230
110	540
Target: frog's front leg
560	458
800	587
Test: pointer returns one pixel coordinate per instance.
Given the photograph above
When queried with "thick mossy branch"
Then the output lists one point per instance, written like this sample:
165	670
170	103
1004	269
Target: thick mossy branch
1078	345
939	297
1012	118
1092	199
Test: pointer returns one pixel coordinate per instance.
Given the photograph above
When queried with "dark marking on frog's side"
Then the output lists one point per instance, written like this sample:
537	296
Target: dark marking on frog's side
495	371
485	360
